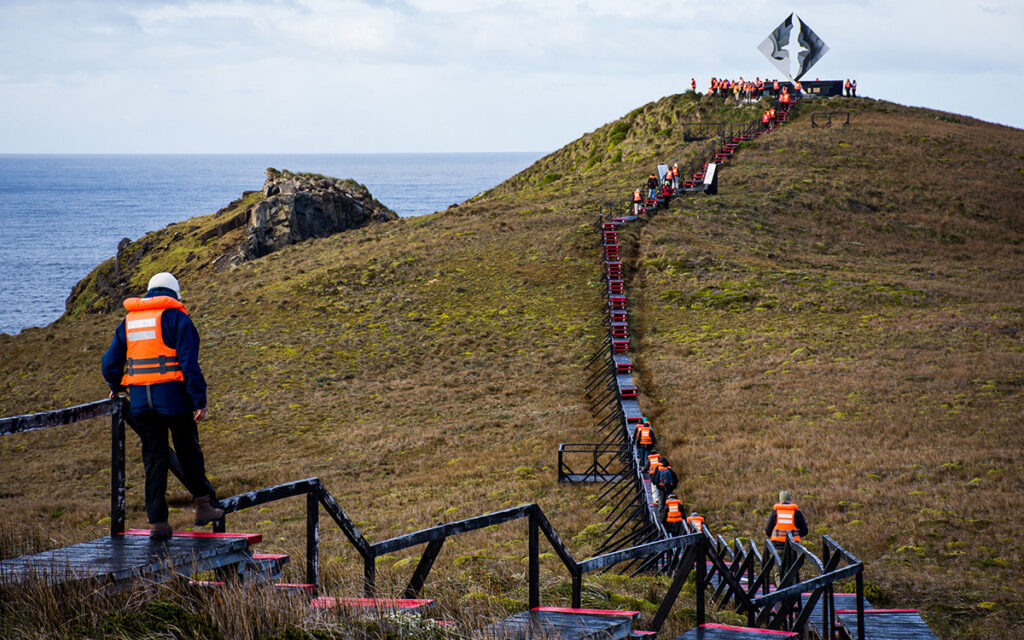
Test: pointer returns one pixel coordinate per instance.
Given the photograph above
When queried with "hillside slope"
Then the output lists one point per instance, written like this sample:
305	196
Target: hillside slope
852	293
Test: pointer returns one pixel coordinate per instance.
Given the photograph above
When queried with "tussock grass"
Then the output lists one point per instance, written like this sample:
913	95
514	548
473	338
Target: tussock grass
843	320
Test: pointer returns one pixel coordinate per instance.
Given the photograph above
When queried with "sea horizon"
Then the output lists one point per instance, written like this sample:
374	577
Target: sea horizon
64	213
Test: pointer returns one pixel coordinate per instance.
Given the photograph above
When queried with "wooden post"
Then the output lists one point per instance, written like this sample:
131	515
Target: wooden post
701	570
312	539
423	568
534	571
370	575
577	590
860	603
117	474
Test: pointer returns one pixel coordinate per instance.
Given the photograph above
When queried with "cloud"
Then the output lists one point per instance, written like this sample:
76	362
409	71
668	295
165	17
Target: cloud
366	75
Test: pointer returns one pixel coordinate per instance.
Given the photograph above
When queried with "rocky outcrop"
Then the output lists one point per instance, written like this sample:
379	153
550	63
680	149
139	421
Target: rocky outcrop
292	207
296	207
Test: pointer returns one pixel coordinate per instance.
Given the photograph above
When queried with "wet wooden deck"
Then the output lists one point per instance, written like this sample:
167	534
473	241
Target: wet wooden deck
558	623
132	555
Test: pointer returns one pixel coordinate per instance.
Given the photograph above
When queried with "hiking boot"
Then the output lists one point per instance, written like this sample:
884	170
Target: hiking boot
205	512
160	530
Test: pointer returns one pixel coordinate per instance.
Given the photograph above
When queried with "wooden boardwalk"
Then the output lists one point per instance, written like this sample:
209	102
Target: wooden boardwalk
888	624
558	623
131	556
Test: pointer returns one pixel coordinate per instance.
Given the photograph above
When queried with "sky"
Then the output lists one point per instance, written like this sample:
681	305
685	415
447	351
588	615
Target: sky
396	76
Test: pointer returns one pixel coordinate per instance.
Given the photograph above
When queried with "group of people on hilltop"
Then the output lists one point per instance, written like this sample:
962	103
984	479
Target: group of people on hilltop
850	88
744	89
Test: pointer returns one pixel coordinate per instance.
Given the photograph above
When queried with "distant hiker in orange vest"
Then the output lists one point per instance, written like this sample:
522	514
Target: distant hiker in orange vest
665	479
675	175
693	85
638	200
155	357
696	522
775	87
645	438
846	88
672	515
853	88
652	186
653	464
786	518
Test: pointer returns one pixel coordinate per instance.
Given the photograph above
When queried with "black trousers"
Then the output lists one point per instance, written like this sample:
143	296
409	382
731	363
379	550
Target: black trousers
152	428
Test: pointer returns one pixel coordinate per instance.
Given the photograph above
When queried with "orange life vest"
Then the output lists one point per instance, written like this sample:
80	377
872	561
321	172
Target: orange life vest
799	87
636	196
644	434
775	85
697	522
764	118
847	84
653	462
149	361
853	84
675	511
693	83
785	520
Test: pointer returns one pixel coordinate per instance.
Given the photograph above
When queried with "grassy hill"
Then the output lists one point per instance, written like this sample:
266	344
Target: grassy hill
846	320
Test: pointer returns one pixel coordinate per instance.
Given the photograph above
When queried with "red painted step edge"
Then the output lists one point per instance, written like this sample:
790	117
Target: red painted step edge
713	625
251	538
595	612
269	556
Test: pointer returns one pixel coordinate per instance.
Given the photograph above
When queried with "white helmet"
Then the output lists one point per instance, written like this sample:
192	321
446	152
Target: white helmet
166	281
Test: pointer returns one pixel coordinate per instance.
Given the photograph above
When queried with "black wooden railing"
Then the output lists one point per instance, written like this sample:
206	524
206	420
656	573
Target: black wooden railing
78	413
823	120
604	462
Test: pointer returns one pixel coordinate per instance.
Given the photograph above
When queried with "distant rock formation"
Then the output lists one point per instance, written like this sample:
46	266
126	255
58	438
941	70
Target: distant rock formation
291	208
296	207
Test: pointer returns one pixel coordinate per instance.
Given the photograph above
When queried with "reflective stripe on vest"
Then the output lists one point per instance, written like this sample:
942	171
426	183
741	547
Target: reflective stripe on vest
675	511
785	521
149	360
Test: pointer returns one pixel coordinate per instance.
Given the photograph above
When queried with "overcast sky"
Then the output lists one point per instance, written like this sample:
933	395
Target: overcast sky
340	76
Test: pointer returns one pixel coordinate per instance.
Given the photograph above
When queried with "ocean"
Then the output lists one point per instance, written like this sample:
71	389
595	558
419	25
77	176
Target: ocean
61	215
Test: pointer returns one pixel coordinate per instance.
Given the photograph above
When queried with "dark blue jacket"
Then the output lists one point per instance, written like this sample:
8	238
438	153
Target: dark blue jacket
169	398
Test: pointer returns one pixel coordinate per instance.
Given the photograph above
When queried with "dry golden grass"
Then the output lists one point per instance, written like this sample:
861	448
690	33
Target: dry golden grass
822	314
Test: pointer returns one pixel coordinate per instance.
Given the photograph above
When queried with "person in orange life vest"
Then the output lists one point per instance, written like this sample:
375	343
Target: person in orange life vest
696	522
846	88
638	200
765	121
154	355
693	84
653	464
853	88
799	87
786	517
775	87
672	514
652	187
666	479
644	438
675	175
